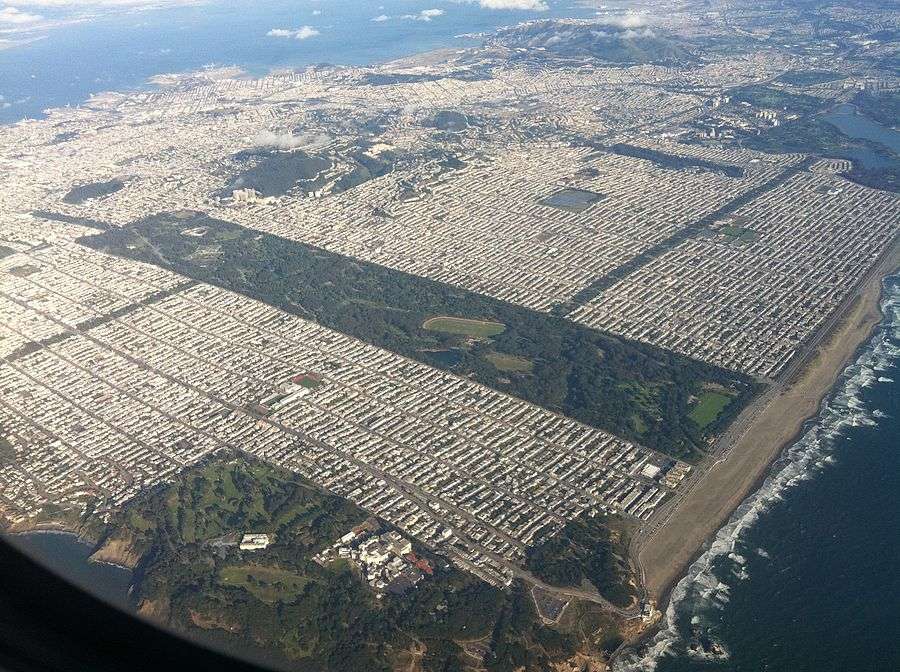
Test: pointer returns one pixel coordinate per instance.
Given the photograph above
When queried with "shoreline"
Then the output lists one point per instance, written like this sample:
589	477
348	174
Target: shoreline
664	557
95	545
45	526
79	538
68	533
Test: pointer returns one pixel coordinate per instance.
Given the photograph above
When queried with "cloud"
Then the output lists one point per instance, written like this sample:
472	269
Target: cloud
11	15
630	34
380	18
522	5
424	15
279	140
630	20
11	44
302	33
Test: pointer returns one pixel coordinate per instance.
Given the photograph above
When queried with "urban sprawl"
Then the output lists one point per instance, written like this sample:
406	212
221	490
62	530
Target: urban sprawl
536	183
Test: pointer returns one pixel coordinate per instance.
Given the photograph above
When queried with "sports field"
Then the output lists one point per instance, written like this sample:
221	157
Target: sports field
464	327
708	407
510	363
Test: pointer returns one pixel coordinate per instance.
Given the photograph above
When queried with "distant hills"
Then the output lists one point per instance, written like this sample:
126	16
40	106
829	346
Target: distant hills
603	41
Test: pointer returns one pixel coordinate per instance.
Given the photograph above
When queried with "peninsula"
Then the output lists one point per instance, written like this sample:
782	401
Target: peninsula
453	362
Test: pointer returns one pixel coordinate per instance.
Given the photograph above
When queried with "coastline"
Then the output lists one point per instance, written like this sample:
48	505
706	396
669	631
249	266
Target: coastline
102	551
68	533
94	557
664	556
47	527
720	486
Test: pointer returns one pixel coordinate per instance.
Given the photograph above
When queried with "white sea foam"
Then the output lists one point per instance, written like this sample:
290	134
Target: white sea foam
741	574
723	654
701	590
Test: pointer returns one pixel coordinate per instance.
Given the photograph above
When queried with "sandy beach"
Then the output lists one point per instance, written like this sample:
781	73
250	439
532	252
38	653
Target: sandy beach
757	438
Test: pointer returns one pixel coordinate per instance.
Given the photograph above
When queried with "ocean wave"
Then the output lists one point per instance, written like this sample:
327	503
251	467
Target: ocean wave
721	654
703	591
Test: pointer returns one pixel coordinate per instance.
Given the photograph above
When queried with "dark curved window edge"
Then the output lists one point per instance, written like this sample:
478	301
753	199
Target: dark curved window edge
49	625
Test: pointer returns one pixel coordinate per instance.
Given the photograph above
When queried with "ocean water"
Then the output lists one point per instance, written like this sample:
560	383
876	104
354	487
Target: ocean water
67	556
121	50
805	577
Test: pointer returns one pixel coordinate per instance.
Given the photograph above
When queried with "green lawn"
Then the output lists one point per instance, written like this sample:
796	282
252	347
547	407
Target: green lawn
509	363
291	512
708	407
216	496
463	327
309	381
138	522
638	423
738	234
267	584
809	77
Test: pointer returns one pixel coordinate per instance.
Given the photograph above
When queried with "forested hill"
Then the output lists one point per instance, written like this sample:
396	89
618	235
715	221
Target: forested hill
281	607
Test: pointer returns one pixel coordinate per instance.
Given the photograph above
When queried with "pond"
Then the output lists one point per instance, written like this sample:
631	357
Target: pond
574	200
444	358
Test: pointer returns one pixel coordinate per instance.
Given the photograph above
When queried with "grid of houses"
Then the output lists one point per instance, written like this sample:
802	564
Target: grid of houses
117	375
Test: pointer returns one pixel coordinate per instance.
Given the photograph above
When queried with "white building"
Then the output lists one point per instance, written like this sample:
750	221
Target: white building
254	542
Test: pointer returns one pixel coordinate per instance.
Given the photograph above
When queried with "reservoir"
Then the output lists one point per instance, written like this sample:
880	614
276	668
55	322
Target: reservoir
848	121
